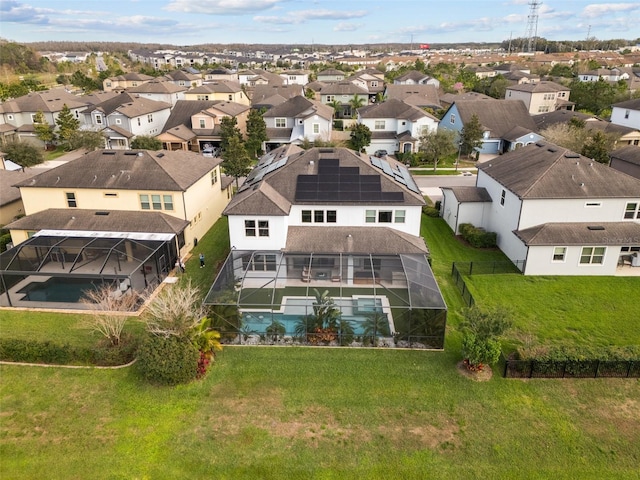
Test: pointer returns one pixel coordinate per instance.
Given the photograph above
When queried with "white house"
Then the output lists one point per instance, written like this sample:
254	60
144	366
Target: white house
555	212
296	120
396	126
626	113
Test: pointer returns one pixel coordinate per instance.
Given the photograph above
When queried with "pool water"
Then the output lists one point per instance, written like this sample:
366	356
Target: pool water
57	289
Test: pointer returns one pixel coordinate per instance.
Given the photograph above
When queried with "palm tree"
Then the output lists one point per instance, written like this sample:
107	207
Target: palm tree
275	329
376	324
355	103
337	107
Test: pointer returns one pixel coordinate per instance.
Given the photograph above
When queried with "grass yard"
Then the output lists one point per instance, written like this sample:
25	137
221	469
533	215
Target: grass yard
331	413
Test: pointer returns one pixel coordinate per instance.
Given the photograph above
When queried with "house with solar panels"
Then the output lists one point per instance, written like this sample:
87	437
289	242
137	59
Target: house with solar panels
334	221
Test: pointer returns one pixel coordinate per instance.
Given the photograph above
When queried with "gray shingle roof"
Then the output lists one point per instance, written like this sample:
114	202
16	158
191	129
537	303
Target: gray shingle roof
183	110
498	116
344	88
128	170
300	106
539	87
545	170
381	240
633	104
628	153
48	101
9	178
470	194
393	109
96	220
600	233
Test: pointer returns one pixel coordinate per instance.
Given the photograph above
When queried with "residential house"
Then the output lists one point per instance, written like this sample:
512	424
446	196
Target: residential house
11	206
555	212
126	116
414	77
226	91
295	77
167	92
506	124
330	75
183	78
17	116
195	124
220	74
370	80
506	68
626	113
627	160
267	96
541	97
448	99
330	219
298	120
422	96
396	126
109	217
122	82
481	71
608	75
255	77
344	93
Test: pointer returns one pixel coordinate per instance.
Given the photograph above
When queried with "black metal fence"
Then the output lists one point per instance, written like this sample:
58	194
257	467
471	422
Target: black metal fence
572	369
489	268
458	279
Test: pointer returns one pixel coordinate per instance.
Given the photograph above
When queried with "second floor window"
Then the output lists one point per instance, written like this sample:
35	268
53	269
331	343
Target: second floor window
262	229
202	123
281	122
71	199
632	210
316	128
503	197
452	118
379	125
99	119
150	118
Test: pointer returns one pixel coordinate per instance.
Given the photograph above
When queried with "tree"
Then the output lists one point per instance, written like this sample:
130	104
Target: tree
44	131
174	312
566	135
87	139
67	124
256	132
360	136
146	142
471	135
437	144
482	330
235	160
355	103
228	128
598	147
111	308
337	108
23	153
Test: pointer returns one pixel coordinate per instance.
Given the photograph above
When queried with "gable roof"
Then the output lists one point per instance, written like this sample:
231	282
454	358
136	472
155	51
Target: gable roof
469	194
220	86
129	105
628	153
183	110
262	92
414	75
9	178
157	87
539	87
393	109
344	88
633	104
545	170
579	233
418	95
48	101
498	116
300	106
128	170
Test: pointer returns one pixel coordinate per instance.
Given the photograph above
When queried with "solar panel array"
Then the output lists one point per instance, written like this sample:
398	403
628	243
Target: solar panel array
400	173
269	163
334	183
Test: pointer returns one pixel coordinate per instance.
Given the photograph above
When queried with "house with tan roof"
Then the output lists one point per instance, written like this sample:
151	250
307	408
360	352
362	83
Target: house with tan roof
122	82
332	220
396	126
414	77
110	216
297	120
267	96
167	92
183	78
555	212
343	92
421	96
222	90
506	124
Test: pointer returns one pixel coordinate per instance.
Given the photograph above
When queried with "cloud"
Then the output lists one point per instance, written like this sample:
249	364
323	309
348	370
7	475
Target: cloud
598	10
222	7
303	16
347	27
15	12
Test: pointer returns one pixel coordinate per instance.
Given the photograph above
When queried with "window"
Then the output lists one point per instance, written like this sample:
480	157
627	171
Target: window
264	262
281	122
374	83
150	118
168	202
214	177
118	121
202	123
593	204
384	216
543	108
71	200
332	216
318	216
263	228
306	216
400	216
155	201
230	97
330	98
632	210
592	255
626	114
503	196
144	202
379	125
139	121
33	118
370	216
99	119
9	117
111	195
559	254
250	228
452	118
316	128
203	97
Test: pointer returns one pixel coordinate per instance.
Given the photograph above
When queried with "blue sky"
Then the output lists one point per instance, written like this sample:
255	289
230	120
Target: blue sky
190	22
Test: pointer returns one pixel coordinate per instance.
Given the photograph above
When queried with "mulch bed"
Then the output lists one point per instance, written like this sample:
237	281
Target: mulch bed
482	376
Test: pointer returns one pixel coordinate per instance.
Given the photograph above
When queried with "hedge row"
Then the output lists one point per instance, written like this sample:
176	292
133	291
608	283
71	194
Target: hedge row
33	351
577	354
477	237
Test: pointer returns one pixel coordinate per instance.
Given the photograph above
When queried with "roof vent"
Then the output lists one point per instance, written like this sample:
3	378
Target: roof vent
102	213
595	227
109	153
160	155
581	184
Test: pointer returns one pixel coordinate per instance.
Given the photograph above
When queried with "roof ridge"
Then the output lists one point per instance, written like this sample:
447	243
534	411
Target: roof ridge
546	170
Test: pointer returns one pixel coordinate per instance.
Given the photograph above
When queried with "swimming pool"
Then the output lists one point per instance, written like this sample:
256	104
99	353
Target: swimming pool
57	289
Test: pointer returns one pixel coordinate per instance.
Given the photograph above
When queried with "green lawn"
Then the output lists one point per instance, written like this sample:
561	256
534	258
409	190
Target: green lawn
325	413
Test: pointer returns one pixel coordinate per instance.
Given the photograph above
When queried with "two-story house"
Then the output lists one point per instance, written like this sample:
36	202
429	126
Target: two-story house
126	116
396	126
295	77
109	216
226	91
122	82
167	92
296	120
330	219
541	97
555	212
414	77
330	75
344	93
183	78
626	113
506	124
267	96
422	96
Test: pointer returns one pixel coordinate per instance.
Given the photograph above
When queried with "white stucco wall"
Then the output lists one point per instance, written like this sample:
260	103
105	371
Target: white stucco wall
540	262
276	240
618	117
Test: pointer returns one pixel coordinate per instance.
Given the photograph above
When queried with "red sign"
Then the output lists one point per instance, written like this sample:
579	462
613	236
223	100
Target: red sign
424	46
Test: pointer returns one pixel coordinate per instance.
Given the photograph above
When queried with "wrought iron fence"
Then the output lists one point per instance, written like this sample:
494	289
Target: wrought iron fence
572	369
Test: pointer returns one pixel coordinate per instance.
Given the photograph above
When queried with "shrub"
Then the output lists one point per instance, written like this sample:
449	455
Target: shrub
168	360
430	211
338	125
477	237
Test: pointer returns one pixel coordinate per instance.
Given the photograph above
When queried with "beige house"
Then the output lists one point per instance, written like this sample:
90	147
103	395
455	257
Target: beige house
122	82
225	91
182	189
541	97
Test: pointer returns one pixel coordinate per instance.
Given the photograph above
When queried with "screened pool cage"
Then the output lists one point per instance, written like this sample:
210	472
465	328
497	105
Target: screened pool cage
49	271
337	299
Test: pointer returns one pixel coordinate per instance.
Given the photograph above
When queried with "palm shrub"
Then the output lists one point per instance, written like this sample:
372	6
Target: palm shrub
275	330
375	325
322	325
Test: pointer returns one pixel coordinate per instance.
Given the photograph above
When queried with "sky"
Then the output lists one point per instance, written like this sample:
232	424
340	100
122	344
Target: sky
328	22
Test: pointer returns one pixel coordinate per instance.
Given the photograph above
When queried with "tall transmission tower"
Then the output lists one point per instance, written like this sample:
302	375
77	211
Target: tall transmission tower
532	25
